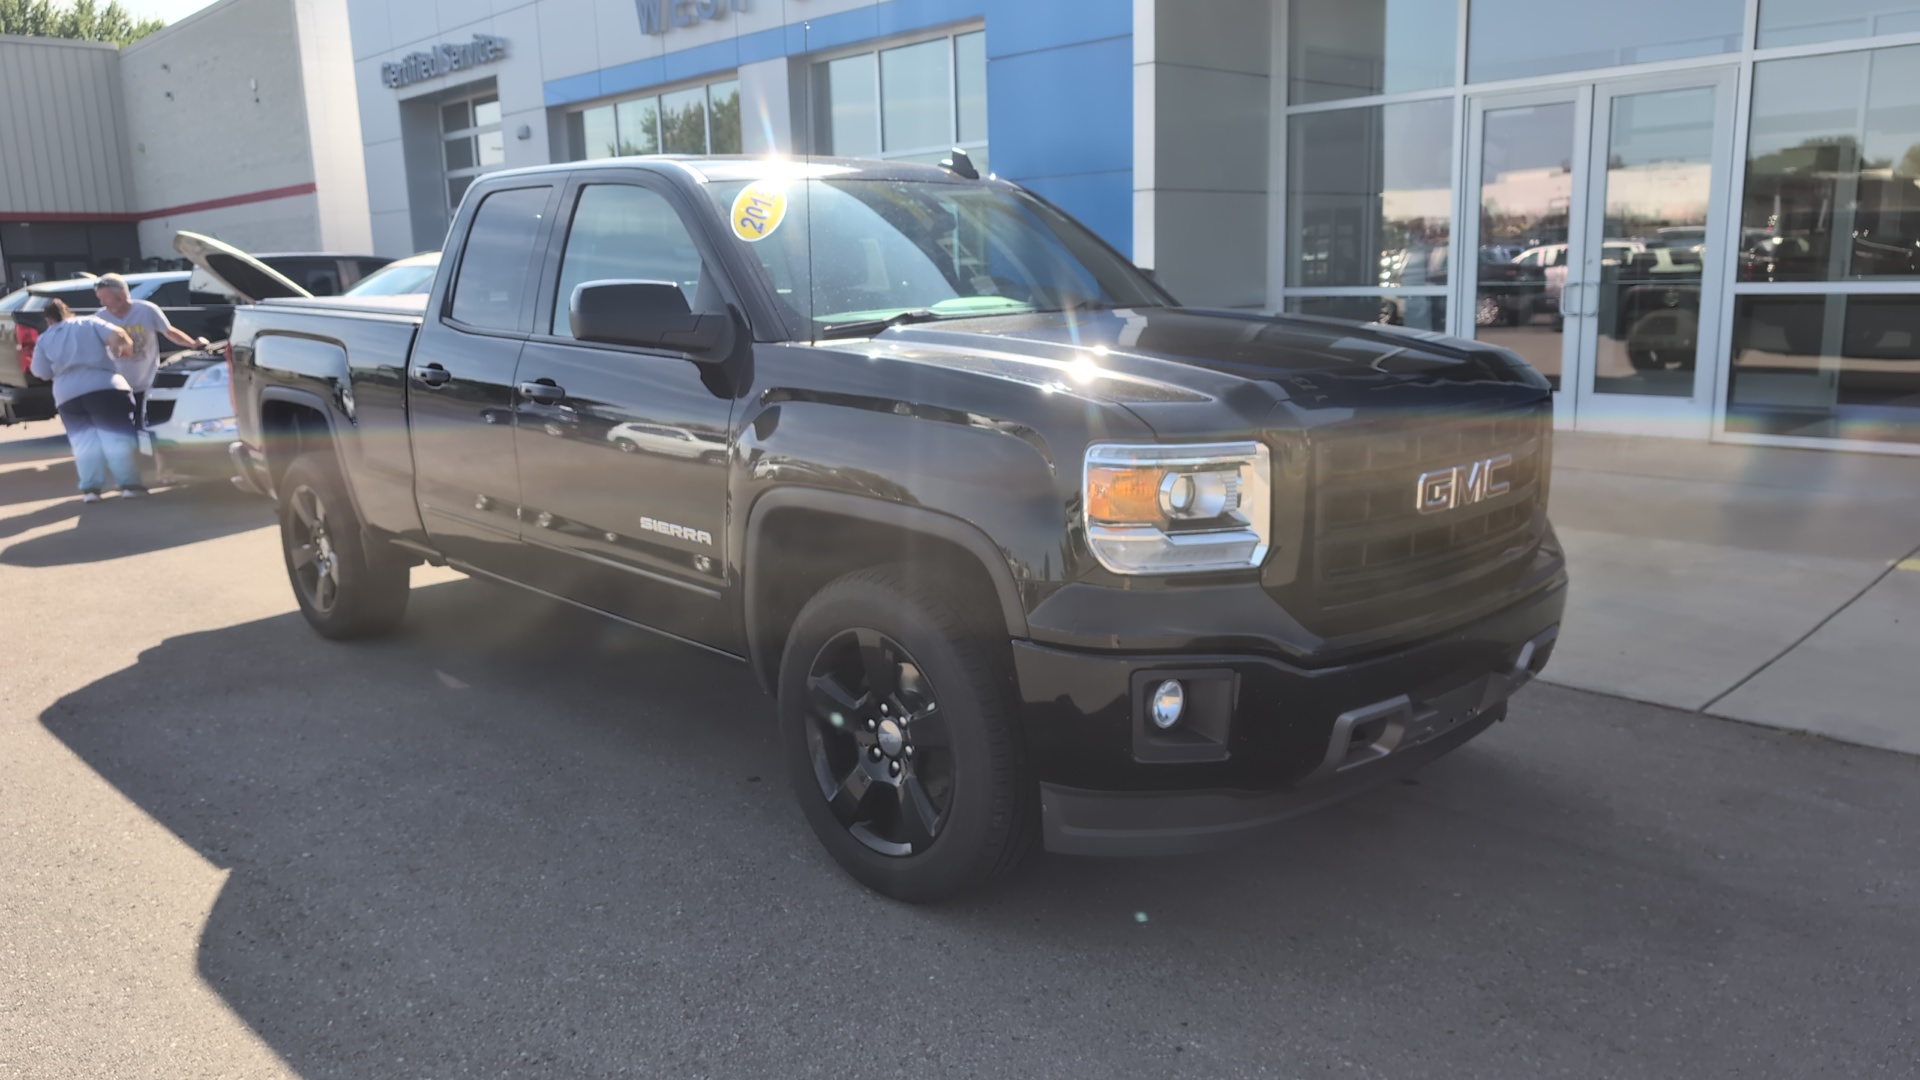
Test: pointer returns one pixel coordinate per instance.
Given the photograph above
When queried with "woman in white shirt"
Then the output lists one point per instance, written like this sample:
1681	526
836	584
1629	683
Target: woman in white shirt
92	397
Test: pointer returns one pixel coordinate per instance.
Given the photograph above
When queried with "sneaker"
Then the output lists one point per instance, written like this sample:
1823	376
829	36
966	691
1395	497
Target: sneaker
133	493
89	496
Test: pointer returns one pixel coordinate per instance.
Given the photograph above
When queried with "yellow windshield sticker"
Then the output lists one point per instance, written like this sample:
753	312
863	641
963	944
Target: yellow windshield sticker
758	211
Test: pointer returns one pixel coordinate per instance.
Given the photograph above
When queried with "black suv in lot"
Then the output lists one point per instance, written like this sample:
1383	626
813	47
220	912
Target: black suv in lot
1026	551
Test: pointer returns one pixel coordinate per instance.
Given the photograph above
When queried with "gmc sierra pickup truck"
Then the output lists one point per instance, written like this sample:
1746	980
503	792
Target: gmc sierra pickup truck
1025	551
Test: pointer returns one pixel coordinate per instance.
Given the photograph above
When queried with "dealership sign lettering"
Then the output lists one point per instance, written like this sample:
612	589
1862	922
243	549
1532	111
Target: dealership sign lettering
443	60
657	15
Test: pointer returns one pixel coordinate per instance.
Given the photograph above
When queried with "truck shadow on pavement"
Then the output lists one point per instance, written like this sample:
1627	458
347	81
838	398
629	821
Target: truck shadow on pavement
514	839
39	448
116	528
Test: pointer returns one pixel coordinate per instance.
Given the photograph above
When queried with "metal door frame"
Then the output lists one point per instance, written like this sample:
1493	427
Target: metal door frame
1464	302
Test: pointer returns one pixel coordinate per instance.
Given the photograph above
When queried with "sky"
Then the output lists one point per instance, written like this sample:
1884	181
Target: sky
171	10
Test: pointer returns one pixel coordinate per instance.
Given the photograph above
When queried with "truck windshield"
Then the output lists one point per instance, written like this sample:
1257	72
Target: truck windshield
887	249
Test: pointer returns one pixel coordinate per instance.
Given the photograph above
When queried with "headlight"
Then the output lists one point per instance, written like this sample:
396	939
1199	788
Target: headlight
1173	509
226	426
206	377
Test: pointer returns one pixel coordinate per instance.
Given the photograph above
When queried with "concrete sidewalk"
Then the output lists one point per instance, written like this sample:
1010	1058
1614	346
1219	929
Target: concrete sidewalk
1780	587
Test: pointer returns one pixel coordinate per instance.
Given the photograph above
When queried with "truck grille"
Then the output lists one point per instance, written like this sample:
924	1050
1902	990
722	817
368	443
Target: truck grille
1372	548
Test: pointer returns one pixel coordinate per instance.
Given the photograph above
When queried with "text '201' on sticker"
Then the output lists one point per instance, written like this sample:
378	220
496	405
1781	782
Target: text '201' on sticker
758	211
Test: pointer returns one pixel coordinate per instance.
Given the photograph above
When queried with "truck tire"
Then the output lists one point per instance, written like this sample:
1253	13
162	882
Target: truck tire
344	590
899	727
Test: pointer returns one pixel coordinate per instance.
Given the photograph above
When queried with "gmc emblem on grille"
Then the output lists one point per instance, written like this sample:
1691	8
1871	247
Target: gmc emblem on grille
1462	485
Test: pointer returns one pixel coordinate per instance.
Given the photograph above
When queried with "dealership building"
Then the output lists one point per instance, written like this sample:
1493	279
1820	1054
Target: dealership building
1701	219
230	122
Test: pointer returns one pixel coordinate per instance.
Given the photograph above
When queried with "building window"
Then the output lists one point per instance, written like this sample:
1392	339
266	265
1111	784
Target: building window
1357	48
1370	196
1512	39
1803	22
702	119
912	102
471	143
1826	330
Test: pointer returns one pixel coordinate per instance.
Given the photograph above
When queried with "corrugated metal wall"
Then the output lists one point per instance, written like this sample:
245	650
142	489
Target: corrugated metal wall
63	129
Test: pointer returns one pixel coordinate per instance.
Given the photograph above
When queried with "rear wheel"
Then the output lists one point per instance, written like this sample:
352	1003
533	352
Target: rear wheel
345	590
900	738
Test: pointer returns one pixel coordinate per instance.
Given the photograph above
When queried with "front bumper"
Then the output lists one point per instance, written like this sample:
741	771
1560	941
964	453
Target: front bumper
179	452
1290	739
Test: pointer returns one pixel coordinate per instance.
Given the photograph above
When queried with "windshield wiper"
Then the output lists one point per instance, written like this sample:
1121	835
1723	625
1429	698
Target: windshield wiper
870	327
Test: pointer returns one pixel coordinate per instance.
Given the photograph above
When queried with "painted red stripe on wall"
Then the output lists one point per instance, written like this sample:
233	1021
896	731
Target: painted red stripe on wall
268	195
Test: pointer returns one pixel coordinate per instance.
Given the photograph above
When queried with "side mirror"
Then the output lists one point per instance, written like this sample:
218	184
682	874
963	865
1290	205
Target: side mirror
648	315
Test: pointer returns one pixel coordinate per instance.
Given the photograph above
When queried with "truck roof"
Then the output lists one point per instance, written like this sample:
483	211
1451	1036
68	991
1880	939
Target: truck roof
721	168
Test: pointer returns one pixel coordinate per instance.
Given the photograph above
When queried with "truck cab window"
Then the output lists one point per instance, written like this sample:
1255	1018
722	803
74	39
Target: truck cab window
493	269
630	233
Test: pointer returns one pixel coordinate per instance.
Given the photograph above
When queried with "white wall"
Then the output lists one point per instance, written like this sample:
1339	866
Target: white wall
241	98
216	108
339	160
275	225
1202	128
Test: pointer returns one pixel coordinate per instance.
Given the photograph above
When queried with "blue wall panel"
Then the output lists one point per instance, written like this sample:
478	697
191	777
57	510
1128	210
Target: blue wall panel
1061	111
1022	26
1102	202
1059	88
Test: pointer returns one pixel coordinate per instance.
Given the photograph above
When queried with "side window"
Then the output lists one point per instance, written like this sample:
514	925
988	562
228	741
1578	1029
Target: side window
629	233
493	268
170	294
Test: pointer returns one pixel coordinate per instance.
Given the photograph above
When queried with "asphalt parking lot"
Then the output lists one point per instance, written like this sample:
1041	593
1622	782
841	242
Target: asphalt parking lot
515	841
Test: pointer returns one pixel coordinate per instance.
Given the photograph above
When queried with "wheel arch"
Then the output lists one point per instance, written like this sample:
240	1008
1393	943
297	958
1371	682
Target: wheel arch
295	422
822	535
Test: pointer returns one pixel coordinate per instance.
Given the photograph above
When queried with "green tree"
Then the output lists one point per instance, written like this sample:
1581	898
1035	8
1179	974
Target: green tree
83	20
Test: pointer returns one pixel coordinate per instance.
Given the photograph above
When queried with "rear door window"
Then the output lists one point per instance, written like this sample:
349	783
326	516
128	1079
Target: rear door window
490	290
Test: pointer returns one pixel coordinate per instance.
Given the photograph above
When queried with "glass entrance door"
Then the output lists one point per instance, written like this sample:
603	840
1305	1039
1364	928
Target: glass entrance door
1594	209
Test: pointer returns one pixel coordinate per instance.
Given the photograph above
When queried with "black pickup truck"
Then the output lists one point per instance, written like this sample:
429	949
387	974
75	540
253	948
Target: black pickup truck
1025	550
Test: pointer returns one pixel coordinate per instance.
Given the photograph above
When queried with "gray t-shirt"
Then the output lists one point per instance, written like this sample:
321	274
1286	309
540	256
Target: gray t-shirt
146	324
74	354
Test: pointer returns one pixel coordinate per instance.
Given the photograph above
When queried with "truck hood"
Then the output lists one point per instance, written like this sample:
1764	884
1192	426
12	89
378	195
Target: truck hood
1170	354
242	274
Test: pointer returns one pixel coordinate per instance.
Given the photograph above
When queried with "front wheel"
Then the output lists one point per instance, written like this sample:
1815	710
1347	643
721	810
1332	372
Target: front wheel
900	737
345	590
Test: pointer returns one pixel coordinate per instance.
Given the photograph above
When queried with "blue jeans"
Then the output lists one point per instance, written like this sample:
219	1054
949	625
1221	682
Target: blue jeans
100	430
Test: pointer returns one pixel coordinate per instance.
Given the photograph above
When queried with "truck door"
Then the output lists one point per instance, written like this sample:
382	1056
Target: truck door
460	380
623	451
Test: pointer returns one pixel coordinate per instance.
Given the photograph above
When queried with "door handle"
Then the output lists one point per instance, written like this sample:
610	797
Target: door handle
543	391
432	375
1567	290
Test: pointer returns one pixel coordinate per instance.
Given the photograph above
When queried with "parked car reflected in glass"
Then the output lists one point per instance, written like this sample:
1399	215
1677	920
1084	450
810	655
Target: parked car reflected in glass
637	437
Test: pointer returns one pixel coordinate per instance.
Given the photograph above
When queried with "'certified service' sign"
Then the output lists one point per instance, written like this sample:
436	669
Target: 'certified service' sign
443	60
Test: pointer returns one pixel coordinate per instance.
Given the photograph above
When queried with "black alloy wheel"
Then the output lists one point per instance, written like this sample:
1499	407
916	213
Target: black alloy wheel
348	585
311	557
881	751
902	734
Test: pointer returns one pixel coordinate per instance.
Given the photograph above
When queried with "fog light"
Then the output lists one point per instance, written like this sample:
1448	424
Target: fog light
1169	701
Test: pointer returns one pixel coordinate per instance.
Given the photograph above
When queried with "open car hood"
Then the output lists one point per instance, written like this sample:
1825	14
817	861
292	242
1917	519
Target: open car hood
240	273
